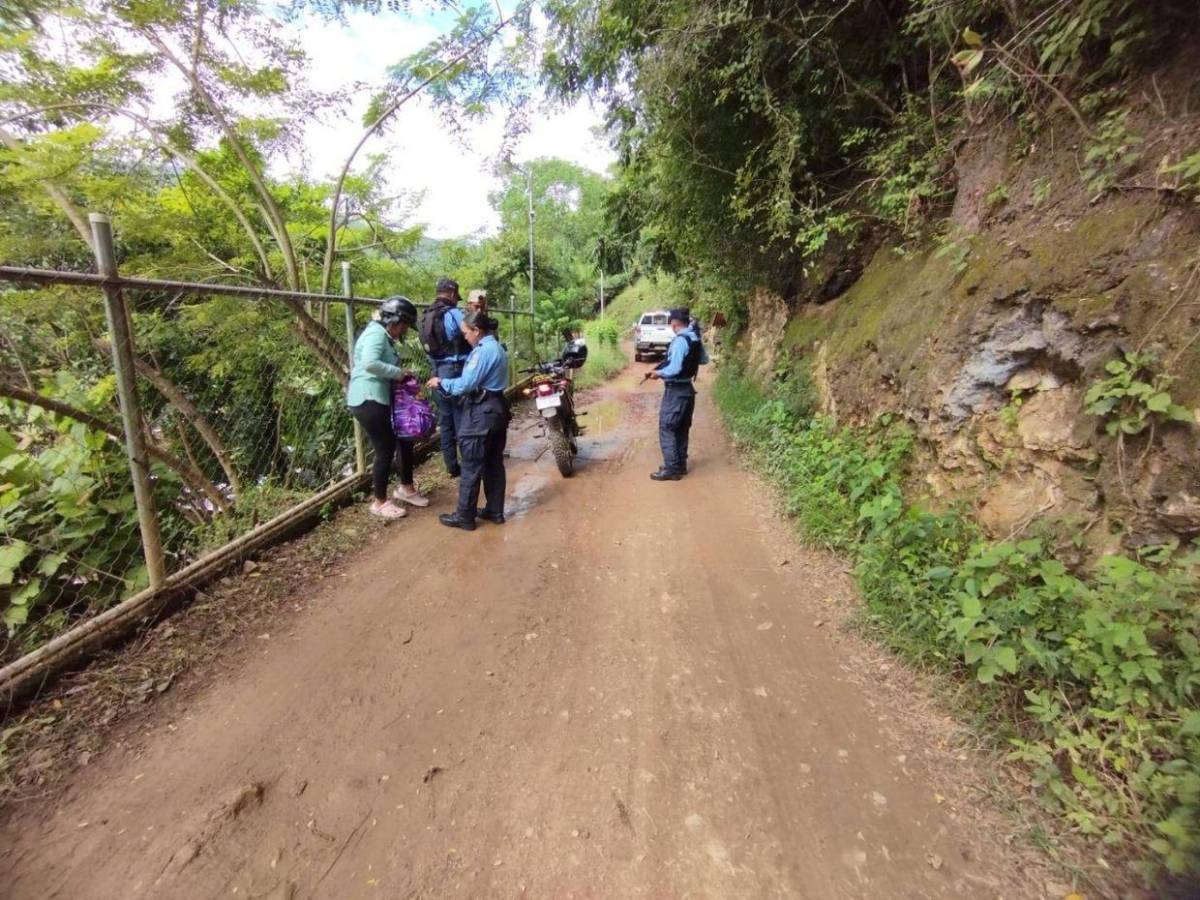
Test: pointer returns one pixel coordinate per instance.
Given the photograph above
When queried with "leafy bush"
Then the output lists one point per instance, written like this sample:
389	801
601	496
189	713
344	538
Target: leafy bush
1133	397
605	358
71	541
1094	677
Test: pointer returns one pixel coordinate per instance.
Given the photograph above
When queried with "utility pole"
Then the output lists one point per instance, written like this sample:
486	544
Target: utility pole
529	194
600	260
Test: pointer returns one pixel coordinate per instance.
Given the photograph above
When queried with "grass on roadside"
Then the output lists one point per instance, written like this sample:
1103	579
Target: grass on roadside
605	356
1092	675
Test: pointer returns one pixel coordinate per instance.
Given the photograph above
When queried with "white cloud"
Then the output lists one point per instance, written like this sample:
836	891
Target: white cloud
455	179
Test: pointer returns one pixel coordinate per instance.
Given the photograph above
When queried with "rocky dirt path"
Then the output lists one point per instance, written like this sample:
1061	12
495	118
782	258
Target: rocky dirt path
629	690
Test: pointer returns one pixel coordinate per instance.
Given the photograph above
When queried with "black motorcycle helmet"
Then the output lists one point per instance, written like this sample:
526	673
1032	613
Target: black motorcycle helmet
398	309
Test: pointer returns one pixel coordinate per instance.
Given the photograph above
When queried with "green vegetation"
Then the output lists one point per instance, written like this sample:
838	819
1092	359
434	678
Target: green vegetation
605	357
1091	675
204	189
755	136
1134	398
656	292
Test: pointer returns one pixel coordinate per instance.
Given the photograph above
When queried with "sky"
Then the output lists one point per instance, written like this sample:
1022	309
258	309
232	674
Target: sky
455	179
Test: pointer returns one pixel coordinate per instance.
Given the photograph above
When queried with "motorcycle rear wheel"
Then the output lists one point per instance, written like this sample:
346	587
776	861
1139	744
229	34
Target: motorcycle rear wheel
560	446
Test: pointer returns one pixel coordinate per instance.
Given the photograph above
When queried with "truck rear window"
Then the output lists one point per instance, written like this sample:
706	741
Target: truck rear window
654	320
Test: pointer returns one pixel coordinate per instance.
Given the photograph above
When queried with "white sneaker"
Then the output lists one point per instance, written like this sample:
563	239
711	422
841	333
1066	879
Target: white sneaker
387	510
413	498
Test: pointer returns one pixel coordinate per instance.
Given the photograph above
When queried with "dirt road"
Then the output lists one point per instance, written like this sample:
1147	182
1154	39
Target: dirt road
631	689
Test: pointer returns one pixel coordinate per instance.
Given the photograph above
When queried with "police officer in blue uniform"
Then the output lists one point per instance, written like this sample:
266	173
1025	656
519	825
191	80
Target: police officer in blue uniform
442	336
685	356
482	423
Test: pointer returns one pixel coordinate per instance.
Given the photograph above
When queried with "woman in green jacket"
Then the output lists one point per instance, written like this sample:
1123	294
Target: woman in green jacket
369	397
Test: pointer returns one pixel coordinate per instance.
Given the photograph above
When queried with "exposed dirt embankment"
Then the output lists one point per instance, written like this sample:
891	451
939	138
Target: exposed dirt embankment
989	338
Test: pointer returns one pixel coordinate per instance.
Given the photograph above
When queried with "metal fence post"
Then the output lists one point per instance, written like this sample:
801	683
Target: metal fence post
512	325
127	395
360	447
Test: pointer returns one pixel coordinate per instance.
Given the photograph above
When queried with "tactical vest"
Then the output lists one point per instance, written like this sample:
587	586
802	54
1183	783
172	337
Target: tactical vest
690	367
691	361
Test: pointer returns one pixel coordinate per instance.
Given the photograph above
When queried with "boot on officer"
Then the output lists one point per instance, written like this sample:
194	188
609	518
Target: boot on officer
482	423
677	372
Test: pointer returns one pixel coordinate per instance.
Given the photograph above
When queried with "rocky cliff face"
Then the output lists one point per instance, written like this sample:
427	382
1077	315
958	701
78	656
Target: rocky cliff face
988	340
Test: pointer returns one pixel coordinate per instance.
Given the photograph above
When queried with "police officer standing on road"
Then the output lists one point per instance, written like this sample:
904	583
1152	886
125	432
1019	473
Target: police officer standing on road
442	337
482	423
685	356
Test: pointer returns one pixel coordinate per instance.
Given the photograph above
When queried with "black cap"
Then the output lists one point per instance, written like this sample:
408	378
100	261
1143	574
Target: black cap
680	314
447	286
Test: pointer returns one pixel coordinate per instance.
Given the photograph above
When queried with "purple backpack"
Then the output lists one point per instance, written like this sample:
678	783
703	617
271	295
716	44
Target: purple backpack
411	416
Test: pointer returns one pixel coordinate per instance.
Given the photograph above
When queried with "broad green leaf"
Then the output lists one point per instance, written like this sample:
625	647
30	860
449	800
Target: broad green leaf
11	556
971	607
1159	403
973	38
50	563
1006	658
27	593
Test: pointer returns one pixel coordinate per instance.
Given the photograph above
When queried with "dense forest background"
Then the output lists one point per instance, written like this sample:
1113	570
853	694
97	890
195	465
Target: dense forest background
954	240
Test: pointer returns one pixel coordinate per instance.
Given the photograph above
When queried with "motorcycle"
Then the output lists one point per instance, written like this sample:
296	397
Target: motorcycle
553	393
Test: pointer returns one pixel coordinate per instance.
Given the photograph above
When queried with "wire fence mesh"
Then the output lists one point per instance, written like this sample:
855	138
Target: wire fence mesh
242	419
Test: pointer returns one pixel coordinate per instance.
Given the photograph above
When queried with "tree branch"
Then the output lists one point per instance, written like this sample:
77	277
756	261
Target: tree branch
335	201
193	478
57	194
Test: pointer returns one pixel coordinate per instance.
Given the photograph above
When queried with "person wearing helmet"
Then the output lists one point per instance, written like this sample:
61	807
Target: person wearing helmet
369	397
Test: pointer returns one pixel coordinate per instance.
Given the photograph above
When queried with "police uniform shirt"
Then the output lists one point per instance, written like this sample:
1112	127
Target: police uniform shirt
676	353
486	368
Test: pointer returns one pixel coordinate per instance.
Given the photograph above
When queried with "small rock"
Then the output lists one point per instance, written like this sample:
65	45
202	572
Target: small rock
760	691
934	860
878	799
249	567
765	626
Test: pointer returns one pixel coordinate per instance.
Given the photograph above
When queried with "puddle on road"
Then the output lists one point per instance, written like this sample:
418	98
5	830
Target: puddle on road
601	417
524	495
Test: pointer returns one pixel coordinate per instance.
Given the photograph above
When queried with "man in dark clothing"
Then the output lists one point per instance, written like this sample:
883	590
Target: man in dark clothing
441	332
677	371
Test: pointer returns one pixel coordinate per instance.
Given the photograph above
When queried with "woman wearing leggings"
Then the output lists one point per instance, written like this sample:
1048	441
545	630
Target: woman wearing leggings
369	397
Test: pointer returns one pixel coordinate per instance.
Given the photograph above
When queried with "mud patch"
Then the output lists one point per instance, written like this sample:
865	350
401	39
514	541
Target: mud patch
525	494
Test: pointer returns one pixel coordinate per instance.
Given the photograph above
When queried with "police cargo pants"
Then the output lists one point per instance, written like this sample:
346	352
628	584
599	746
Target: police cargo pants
481	442
674	423
447	413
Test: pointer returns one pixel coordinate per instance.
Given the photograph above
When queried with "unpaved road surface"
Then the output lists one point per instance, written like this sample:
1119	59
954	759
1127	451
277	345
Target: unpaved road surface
631	689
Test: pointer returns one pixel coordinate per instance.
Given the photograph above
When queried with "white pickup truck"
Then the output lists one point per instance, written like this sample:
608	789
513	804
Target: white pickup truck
651	334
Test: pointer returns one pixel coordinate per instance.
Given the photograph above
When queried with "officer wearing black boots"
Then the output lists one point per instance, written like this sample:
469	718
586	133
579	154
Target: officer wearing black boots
482	423
677	371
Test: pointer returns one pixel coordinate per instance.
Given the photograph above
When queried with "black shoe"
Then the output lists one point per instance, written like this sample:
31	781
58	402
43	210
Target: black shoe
488	516
664	475
451	520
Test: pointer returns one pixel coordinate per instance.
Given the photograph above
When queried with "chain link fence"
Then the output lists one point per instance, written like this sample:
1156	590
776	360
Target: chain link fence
149	428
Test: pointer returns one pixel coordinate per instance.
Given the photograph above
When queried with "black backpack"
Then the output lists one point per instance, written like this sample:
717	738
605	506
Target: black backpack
433	332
